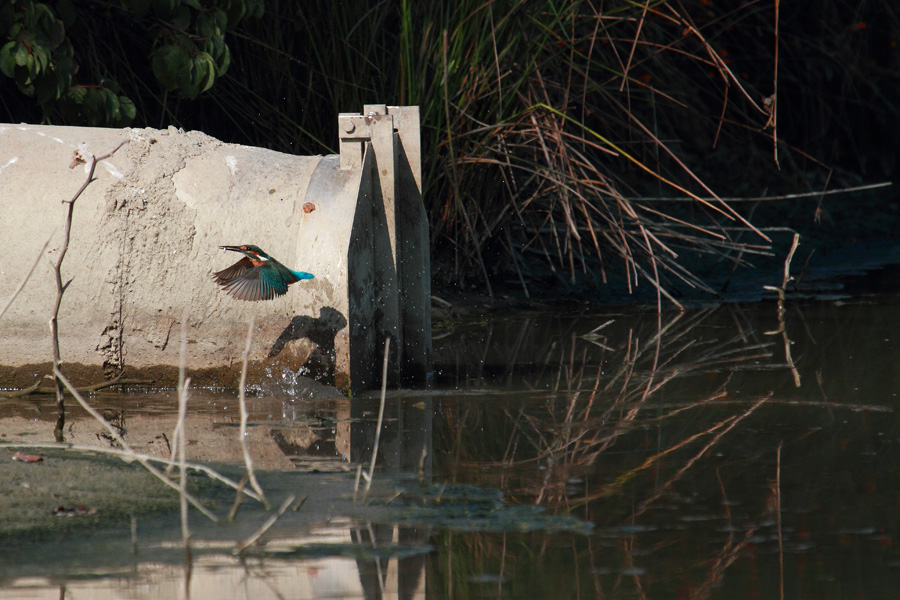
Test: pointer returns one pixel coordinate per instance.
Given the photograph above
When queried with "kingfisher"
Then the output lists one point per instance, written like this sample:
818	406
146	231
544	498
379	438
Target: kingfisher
257	276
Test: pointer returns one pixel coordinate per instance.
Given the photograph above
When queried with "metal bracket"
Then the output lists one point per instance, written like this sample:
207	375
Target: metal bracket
355	129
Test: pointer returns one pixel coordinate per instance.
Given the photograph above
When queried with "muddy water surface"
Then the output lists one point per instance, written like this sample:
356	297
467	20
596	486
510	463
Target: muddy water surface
724	452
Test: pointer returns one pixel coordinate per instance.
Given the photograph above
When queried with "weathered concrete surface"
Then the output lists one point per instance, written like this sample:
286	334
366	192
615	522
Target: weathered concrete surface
145	239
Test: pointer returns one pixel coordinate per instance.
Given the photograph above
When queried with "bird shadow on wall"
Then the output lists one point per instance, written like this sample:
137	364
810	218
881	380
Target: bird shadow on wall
321	331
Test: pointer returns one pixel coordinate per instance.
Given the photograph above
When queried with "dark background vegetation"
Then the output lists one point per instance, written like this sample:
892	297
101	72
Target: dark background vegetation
570	148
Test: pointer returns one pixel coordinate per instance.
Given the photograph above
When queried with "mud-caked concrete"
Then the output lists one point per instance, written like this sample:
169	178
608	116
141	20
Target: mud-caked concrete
145	239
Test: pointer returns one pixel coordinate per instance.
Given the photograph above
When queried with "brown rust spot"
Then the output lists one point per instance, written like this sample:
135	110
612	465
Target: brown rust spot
309	207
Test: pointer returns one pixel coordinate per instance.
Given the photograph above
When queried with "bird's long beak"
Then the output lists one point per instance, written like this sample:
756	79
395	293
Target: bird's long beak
232	248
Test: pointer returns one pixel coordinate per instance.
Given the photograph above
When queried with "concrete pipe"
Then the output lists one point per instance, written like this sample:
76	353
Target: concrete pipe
145	239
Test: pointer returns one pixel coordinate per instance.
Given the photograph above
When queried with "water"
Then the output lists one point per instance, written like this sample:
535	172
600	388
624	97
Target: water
726	452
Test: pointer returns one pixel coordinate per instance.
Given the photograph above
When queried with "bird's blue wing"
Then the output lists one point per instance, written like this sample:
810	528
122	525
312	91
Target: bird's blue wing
256	284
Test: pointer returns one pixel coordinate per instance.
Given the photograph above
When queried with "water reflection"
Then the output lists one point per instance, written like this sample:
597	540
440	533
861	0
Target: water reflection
728	457
719	453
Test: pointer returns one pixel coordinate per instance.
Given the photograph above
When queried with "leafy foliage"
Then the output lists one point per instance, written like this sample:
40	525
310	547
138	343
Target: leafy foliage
188	52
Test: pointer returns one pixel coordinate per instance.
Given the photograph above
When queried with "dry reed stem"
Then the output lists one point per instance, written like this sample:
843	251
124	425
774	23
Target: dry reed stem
182	471
817	194
243	405
180	437
241	547
178	432
237	499
773	106
634	44
778	519
134	536
454	179
27	275
782	326
127	449
356	483
384	371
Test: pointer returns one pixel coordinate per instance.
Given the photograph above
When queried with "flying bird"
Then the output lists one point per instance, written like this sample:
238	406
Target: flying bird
257	276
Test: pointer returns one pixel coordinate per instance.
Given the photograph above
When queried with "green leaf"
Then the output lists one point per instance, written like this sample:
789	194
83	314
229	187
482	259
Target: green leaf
182	18
128	110
23	81
64	67
94	106
28	74
22	55
205	70
43	16
223	60
76	94
56	34
259	8
221	19
41	58
66	11
164	8
46	89
8	59
171	64
111	102
206	26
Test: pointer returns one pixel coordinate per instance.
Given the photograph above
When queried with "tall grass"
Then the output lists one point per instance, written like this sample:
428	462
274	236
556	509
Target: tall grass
542	127
551	128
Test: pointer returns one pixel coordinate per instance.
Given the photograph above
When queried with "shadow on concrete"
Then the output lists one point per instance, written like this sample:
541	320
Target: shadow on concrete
321	331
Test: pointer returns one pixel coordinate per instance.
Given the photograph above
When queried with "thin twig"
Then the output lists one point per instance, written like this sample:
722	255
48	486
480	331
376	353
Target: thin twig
180	435
27	275
23	392
243	404
60	289
387	345
237	498
239	549
815	195
356	483
778	520
773	107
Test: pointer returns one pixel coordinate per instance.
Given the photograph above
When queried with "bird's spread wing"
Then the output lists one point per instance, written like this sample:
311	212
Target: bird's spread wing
256	284
236	270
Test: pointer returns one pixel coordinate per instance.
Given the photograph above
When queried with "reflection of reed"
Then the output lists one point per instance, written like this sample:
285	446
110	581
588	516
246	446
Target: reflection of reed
591	400
589	408
646	371
634	427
